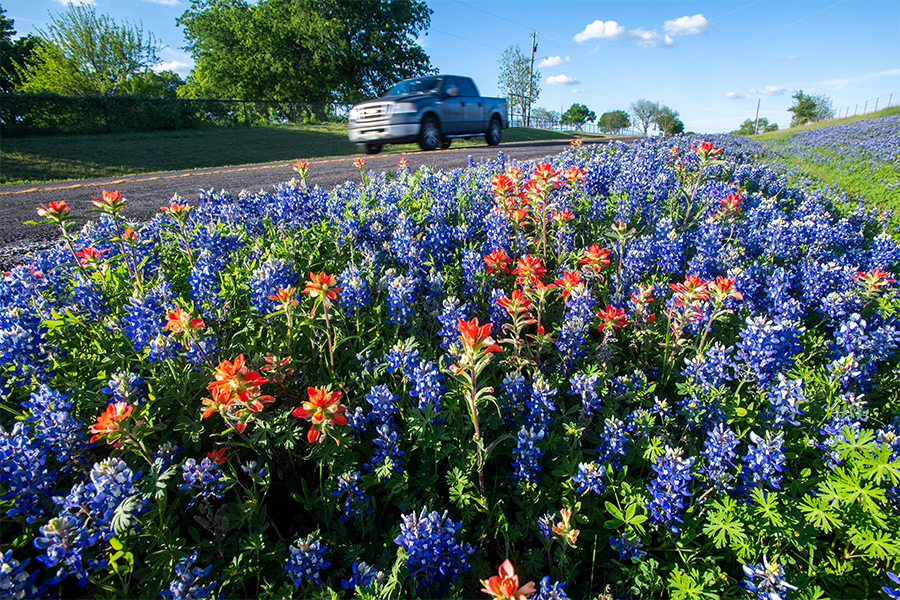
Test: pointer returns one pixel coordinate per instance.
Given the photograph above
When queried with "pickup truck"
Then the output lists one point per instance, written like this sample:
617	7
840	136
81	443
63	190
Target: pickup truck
429	110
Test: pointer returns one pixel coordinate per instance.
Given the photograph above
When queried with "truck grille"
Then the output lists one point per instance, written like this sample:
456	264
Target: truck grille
375	112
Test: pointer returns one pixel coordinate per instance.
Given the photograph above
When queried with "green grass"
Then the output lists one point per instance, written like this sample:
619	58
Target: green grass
60	158
786	133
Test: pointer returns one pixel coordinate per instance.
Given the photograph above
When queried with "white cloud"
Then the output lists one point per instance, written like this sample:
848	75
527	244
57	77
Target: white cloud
173	65
687	25
577	91
561	80
733	96
76	2
794	56
600	29
553	61
650	38
769	90
858	79
164	2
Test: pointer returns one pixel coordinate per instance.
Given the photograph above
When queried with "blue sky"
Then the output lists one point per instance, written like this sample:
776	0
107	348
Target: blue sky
711	61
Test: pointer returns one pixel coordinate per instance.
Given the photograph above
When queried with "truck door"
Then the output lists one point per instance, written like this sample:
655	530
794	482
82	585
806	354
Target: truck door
452	109
472	106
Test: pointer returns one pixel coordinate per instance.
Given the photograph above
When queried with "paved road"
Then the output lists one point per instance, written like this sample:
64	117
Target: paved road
147	193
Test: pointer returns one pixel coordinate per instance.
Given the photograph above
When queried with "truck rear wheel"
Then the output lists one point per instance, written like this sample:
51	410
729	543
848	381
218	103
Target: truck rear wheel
369	148
492	137
430	134
445	143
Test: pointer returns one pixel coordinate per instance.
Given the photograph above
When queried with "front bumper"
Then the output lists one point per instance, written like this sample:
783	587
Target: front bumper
383	133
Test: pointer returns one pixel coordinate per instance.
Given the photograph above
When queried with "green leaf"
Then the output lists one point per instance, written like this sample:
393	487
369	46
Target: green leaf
614	511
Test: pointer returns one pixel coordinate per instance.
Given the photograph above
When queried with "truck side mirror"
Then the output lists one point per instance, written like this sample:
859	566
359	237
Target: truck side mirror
453	92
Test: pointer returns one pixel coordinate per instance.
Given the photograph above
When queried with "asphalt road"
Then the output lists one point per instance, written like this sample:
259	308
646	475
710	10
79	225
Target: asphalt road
148	192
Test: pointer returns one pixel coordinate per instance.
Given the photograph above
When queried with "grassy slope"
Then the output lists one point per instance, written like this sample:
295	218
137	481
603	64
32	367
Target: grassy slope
58	158
859	184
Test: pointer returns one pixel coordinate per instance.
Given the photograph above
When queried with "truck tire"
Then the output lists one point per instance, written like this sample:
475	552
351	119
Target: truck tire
369	148
430	134
492	137
445	143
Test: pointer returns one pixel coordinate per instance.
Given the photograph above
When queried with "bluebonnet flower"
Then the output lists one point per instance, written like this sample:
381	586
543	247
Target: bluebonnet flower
612	440
206	282
538	405
427	387
513	399
496	313
893	594
785	399
712	369
401	356
590	476
387	452
356	419
768	347
585	387
15	582
186	586
473	272
404	244
719	450
669	489
127	387
205	479
401	299
24	472
841	419
449	318
265	281
166	453
306	560
57	427
628	547
433	554
383	405
763	461
766	580
545	525
354	504
362	575
528	455
88	297
355	294
201	350
574	335
145	316
550	591
438	243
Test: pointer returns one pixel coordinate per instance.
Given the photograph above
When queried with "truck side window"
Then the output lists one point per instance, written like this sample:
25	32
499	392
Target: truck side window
449	82
467	88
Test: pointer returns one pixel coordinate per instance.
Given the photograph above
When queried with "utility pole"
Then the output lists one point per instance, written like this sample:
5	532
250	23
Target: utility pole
531	78
756	122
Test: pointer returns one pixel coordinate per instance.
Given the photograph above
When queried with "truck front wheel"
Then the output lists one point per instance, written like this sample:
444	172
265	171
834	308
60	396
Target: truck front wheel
369	148
430	134
492	137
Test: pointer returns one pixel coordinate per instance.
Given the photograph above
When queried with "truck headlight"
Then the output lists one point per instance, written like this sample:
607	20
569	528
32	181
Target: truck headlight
354	114
405	107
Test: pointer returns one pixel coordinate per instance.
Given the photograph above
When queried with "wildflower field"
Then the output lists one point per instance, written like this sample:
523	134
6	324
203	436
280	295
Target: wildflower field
658	370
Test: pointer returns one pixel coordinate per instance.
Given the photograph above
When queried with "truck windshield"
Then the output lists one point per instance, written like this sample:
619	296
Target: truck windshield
424	85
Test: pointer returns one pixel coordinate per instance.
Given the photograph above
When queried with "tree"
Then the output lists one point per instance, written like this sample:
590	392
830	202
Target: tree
810	109
544	117
644	113
15	55
667	121
519	89
614	121
577	115
749	127
83	53
312	50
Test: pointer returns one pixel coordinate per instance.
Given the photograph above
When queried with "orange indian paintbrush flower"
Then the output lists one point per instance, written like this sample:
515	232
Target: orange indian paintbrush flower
323	409
506	584
108	422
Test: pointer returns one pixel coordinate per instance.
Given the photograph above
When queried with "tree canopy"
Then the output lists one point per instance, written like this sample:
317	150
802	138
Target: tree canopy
577	115
644	112
313	50
83	53
520	90
15	54
750	127
544	116
667	121
810	108
614	121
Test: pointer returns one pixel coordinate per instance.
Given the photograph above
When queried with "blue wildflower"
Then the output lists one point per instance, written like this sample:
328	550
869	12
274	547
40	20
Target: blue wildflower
306	560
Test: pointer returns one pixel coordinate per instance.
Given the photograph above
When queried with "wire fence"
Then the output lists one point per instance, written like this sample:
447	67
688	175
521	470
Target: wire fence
867	106
23	115
518	120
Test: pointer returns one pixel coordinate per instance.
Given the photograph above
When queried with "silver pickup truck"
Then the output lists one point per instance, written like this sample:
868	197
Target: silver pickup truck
429	110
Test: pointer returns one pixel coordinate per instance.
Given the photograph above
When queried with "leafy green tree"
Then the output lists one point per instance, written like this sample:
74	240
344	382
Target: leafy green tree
810	108
748	127
83	53
644	113
614	121
520	90
313	50
545	116
15	55
577	115
667	121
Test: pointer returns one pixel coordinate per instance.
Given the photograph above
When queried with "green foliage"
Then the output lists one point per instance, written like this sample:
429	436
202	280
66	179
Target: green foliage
517	82
577	115
614	121
544	117
82	54
749	127
15	55
667	121
644	112
809	108
310	50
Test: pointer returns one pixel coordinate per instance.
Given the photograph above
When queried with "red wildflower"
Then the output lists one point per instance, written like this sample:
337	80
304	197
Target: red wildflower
55	210
129	235
544	171
90	255
515	303
403	163
237	379
595	258
219	403
693	288
217	456
506	584
873	280
477	337
562	216
323	409
108	422
706	150
497	261
320	286
285	297
569	281
175	208
529	269
724	288
359	163
611	317
730	206
573	175
180	321
576	142
302	167
110	202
